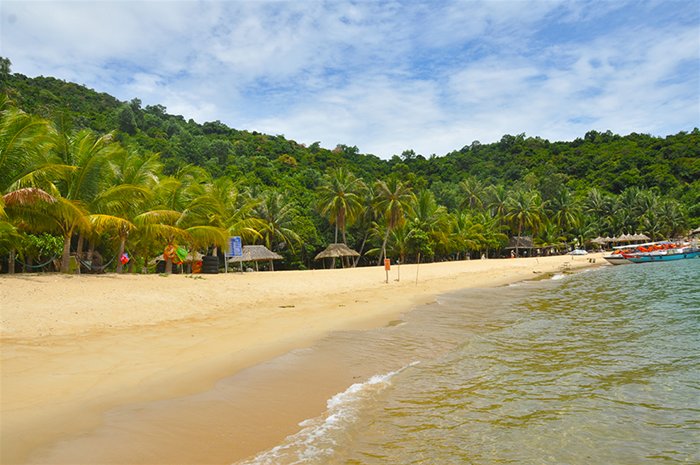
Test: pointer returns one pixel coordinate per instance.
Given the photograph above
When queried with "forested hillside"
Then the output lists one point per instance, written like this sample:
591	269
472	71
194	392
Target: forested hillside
83	171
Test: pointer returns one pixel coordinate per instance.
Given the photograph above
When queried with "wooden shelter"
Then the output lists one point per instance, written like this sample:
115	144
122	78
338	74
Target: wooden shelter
337	251
256	253
518	243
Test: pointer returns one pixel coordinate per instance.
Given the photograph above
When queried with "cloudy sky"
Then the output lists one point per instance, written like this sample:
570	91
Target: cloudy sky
385	76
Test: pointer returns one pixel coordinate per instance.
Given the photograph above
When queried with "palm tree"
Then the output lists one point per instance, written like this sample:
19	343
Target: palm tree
430	219
278	217
26	167
524	210
549	235
565	209
393	199
340	198
178	213
90	157
233	210
465	233
366	219
497	202
474	193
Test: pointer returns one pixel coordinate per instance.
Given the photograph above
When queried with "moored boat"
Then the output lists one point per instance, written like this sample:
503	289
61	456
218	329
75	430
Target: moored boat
662	251
616	259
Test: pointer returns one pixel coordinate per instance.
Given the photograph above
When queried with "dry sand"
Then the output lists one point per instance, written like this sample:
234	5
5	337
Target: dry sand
74	348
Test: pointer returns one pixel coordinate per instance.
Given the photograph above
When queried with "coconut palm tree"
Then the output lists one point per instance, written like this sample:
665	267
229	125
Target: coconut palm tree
474	192
26	167
565	210
393	200
524	211
465	233
90	156
177	214
497	202
278	217
233	210
340	199
430	219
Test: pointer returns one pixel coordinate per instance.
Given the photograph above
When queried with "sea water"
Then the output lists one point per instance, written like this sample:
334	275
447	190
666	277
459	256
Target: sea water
598	367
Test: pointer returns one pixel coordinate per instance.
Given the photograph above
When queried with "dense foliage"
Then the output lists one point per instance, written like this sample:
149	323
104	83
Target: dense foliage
115	177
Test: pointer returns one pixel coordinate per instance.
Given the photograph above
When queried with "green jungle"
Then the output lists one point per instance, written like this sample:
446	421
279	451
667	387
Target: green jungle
86	177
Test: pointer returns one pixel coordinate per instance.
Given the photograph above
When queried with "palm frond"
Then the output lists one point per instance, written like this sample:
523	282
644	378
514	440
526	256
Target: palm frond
101	223
26	197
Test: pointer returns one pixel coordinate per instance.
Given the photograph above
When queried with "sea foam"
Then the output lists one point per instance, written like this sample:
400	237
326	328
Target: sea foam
316	441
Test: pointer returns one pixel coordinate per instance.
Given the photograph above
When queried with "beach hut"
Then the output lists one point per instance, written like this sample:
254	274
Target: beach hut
256	253
334	251
695	232
518	243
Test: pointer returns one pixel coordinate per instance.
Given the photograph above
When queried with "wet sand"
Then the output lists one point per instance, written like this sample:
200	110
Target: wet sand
124	369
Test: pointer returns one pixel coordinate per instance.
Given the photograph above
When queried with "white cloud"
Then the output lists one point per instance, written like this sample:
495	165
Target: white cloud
385	76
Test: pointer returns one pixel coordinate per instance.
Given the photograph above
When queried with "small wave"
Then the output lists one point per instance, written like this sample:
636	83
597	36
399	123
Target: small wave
316	441
558	276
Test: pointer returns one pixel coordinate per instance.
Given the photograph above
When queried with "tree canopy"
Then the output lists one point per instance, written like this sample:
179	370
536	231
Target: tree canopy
115	176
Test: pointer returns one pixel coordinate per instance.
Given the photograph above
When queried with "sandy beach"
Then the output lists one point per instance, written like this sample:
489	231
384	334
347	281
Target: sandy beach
82	352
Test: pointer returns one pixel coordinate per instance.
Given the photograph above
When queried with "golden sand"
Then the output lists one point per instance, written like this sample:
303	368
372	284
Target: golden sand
75	348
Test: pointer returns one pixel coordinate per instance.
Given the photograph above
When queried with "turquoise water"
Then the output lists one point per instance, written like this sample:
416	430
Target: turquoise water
601	367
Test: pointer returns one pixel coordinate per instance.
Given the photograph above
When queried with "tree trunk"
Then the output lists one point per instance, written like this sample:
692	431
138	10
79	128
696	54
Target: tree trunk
65	258
336	231
11	262
386	238
168	266
362	248
417	266
517	239
79	251
122	247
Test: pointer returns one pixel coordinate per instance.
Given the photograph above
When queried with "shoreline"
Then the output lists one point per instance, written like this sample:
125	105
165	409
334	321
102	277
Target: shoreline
80	346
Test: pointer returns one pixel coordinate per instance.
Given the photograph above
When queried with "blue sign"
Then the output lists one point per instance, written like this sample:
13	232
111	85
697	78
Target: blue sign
235	247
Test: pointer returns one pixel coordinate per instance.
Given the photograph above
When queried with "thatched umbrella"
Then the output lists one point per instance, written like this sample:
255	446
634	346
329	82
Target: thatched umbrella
337	251
256	253
695	232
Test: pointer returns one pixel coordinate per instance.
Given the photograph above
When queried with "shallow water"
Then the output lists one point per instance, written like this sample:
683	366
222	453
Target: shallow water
598	367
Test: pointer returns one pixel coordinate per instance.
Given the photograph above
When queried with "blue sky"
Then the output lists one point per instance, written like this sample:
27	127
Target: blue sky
384	76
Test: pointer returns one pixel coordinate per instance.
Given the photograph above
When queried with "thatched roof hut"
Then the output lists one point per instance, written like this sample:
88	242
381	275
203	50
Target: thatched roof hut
695	232
521	242
256	253
334	251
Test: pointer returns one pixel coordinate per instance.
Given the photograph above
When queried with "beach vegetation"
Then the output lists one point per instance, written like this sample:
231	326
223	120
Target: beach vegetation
110	178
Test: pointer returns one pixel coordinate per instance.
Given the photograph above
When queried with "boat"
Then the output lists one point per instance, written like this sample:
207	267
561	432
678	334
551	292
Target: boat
616	258
662	252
